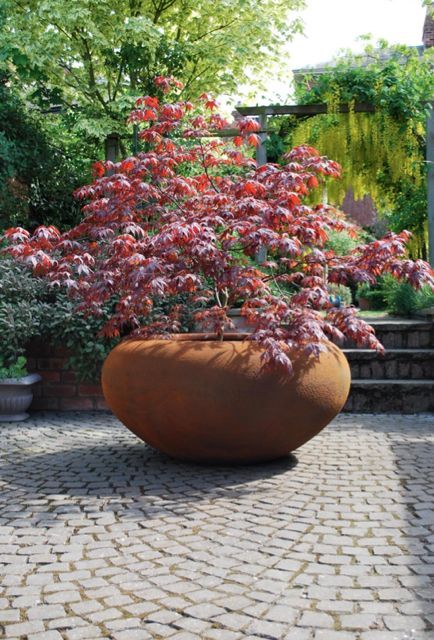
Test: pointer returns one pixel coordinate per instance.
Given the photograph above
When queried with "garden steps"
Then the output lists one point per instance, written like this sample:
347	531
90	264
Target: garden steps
403	334
401	380
394	364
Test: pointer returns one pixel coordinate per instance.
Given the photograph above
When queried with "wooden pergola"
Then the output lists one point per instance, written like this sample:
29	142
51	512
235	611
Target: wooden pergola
305	111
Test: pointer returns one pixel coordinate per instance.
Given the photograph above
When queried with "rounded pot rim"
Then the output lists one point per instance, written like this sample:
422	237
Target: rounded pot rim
195	337
29	379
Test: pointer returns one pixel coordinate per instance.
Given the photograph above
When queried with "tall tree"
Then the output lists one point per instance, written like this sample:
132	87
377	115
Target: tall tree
94	55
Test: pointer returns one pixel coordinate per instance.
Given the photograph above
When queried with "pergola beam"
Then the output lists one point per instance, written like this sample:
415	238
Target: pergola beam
303	110
297	110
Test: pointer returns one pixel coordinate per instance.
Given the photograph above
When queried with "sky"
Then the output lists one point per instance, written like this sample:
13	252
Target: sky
333	25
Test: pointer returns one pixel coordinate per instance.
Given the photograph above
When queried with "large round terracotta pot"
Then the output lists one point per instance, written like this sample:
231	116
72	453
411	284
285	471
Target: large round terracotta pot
208	401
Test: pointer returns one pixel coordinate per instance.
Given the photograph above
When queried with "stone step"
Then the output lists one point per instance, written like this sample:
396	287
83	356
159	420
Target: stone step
390	396
402	333
403	364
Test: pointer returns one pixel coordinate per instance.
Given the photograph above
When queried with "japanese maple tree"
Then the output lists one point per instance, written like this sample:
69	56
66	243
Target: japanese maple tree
183	222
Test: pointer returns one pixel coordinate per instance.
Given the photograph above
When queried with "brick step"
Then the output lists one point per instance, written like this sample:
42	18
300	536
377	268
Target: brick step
390	396
403	364
402	333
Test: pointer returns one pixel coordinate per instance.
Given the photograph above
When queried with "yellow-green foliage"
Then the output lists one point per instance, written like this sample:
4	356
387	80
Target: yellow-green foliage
370	147
382	153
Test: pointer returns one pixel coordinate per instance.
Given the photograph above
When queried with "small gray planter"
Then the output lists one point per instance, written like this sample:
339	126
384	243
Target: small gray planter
16	396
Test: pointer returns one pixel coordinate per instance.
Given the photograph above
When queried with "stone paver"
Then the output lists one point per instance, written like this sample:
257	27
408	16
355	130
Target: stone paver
102	537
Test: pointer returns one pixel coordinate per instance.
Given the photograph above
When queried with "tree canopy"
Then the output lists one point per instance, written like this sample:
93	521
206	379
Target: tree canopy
94	55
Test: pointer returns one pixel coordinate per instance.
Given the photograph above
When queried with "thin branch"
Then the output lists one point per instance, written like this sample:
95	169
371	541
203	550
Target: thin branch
161	8
194	75
91	71
211	181
169	197
220	28
119	78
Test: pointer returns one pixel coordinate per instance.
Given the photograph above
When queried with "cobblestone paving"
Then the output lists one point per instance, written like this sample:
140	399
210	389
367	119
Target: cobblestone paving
102	537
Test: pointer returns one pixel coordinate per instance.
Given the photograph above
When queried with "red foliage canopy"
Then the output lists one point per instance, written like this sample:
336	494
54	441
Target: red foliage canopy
185	219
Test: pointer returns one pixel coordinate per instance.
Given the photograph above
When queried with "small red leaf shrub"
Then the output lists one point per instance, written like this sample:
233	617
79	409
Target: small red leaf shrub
182	223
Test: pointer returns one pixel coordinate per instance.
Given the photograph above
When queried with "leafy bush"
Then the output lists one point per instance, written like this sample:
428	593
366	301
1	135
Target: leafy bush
29	308
37	175
403	300
341	242
397	298
81	335
23	309
374	294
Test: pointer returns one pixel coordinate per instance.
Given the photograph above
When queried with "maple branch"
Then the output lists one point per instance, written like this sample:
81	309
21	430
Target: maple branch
211	181
169	197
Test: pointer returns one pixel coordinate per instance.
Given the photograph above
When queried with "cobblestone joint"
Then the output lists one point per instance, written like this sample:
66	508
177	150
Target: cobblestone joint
102	537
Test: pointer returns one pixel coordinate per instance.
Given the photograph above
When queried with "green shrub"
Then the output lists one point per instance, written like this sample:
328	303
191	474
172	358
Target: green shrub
397	298
23	310
29	308
375	295
81	335
341	243
402	300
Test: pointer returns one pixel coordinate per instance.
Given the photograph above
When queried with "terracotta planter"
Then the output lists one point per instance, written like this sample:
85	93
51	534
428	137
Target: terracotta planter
207	401
16	396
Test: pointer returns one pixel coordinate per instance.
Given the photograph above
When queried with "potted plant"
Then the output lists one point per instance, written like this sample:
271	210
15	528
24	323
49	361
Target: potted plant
21	314
16	393
170	237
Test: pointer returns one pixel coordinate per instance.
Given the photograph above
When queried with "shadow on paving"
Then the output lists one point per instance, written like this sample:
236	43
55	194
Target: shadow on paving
129	479
415	464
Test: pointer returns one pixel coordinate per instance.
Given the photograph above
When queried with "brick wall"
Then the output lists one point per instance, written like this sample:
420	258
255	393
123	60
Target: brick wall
60	390
428	29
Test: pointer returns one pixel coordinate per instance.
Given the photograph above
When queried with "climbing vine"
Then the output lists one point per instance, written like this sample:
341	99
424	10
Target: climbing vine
376	151
383	152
